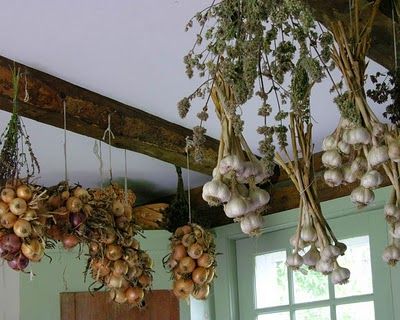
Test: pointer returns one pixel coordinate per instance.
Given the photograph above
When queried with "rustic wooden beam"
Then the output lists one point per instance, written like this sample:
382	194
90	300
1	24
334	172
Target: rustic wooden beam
284	196
88	112
382	48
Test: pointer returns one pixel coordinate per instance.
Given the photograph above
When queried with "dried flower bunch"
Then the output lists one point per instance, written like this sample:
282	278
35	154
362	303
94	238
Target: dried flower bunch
362	146
247	43
191	261
22	224
16	155
238	171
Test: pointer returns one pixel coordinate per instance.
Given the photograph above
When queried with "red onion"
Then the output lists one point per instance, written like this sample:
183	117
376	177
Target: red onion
76	218
19	262
9	244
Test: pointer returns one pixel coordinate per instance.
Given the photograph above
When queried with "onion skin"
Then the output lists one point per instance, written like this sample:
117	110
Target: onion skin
205	260
183	288
120	267
145	280
24	192
109	236
187	229
74	204
202	293
18	206
76	219
30	215
54	201
187	265
179	252
200	275
116	282
211	274
33	250
118	208
22	228
8	220
113	252
19	262
118	296
100	267
9	245
7	195
3	208
134	295
70	241
195	251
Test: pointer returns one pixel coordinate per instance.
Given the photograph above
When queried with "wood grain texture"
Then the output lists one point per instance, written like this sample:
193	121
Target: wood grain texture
87	114
160	304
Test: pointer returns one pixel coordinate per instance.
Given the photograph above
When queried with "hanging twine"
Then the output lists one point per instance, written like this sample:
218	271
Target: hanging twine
65	141
26	98
97	152
126	178
108	132
189	144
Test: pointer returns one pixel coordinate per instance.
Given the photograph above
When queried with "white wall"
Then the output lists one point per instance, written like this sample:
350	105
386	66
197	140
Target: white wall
9	293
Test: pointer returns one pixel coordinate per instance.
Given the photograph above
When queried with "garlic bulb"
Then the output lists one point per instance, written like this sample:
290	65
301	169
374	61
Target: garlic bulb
311	258
243	190
359	135
294	261
348	175
362	196
258	198
308	233
359	166
391	255
344	147
230	163
371	179
396	230
378	155
394	150
333	177
330	252
331	159
324	266
248	171
346	136
392	213
329	143
216	192
237	206
340	275
342	247
251	224
301	245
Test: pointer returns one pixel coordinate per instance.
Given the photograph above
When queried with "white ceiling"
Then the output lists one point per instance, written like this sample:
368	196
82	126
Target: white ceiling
127	50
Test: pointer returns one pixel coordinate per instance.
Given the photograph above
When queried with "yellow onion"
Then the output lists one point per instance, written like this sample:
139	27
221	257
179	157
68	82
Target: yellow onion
7	195
65	195
186	229
128	212
188	239
74	204
100	267
120	267
94	248
206	260
118	208
183	288
134	295
134	272
3	208
54	201
118	295
201	293
24	192
22	228
113	252
81	193
195	251
179	252
30	215
109	236
135	244
33	250
7	220
211	274
145	280
187	265
114	281
18	206
200	275
70	241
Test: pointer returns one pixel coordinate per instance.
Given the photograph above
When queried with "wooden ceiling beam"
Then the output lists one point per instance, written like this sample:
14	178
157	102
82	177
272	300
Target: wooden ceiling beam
88	112
382	47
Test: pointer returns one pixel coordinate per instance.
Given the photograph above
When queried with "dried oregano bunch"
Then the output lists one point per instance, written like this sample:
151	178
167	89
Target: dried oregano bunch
255	45
16	154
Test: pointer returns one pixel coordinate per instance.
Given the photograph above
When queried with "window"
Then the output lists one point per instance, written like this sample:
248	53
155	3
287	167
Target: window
272	291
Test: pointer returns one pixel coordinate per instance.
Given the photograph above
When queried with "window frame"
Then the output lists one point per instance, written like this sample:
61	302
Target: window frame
226	303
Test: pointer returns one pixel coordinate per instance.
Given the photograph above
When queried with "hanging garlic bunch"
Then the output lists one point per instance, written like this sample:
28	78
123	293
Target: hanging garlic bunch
377	144
238	171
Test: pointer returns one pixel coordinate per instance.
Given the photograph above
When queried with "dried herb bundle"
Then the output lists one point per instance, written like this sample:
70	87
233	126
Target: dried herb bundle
16	155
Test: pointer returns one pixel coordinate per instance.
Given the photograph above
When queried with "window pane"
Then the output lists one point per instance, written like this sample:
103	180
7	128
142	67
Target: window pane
271	280
275	316
356	311
313	314
309	287
358	260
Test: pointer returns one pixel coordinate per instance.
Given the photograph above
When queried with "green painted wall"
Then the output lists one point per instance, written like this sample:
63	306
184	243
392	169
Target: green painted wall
39	298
